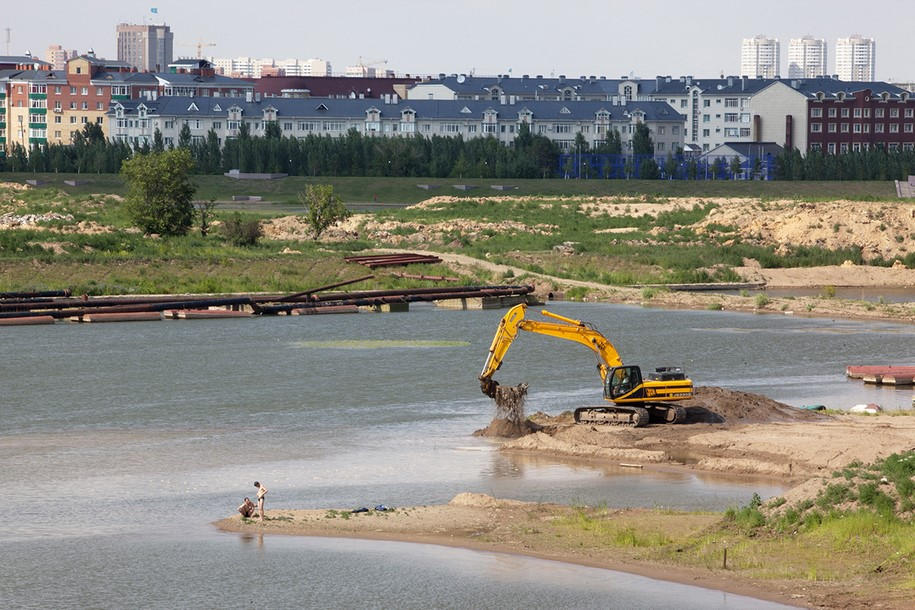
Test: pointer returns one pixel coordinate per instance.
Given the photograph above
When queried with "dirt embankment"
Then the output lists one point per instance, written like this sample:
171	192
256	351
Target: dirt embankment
729	431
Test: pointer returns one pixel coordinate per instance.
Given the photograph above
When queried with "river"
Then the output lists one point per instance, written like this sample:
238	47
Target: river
122	443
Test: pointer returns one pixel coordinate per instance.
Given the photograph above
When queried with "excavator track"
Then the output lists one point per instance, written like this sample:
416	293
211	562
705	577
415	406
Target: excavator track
632	417
666	413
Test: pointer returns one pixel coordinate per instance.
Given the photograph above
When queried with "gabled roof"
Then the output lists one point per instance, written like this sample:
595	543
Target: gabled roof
746	149
356	109
524	86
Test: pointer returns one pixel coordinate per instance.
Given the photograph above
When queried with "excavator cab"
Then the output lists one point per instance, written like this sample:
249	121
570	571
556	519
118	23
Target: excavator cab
621	381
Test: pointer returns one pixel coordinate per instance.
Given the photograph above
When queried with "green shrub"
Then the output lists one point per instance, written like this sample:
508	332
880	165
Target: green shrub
761	301
242	232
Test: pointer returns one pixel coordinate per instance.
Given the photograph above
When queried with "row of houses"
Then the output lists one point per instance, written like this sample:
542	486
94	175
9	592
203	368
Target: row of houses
39	105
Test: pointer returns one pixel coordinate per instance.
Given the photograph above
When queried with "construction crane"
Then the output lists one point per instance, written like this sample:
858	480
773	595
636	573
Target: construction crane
200	45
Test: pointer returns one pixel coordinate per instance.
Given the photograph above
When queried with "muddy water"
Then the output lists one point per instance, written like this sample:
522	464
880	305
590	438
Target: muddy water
121	443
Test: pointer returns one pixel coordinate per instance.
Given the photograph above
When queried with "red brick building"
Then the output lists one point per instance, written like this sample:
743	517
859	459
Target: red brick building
861	120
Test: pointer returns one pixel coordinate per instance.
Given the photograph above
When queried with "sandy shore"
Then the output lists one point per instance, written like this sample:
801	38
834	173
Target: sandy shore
480	522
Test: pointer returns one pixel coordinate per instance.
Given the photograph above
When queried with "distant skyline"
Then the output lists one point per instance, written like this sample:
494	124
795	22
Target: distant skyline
575	37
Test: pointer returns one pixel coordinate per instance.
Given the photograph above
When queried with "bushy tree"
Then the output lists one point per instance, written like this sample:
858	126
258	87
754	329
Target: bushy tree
642	144
324	207
159	196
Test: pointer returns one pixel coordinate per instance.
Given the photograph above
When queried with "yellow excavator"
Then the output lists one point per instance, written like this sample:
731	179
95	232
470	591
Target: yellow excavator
635	400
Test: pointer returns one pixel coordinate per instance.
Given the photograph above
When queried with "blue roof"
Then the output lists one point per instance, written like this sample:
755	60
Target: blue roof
529	86
441	109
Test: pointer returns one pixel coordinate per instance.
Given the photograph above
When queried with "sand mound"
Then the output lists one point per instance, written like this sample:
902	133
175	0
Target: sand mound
712	405
507	428
482	501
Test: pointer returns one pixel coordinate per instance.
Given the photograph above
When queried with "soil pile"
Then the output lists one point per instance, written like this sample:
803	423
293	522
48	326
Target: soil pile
509	421
712	405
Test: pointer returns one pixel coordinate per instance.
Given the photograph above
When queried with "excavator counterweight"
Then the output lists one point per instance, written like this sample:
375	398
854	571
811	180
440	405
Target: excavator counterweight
634	400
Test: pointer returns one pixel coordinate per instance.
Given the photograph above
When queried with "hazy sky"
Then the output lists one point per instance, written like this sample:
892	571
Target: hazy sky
571	37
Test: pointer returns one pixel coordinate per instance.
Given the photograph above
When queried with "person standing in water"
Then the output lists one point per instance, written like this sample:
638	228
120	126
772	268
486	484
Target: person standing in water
261	492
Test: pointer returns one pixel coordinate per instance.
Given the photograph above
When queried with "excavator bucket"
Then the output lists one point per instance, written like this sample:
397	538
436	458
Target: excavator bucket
489	386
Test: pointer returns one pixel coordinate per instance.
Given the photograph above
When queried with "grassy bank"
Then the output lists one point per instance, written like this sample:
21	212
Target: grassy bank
405	190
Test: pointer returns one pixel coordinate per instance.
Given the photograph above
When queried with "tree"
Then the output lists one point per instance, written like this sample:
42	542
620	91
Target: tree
159	196
649	170
184	137
670	167
205	209
158	143
642	143
324	207
614	144
272	130
735	167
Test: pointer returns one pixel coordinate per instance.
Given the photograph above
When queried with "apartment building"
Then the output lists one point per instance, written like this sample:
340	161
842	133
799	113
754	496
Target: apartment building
856	58
135	121
832	116
583	88
760	57
807	57
717	110
58	56
145	47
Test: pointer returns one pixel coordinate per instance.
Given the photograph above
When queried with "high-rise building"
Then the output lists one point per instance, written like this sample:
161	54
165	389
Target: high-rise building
806	57
57	56
759	57
146	47
855	58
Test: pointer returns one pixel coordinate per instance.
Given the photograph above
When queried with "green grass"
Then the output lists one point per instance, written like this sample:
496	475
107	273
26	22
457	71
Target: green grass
404	190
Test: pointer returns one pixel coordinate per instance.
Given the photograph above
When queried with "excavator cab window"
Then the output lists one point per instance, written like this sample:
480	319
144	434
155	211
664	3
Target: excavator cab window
622	380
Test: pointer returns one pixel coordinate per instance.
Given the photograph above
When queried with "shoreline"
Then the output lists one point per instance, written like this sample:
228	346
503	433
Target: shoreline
460	527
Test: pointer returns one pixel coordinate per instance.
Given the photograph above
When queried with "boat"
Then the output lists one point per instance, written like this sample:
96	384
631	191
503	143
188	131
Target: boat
870	408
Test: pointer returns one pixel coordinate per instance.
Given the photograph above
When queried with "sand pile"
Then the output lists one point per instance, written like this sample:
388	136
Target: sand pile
509	421
712	405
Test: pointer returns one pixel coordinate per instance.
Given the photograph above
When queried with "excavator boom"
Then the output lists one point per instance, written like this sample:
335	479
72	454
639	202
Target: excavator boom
623	385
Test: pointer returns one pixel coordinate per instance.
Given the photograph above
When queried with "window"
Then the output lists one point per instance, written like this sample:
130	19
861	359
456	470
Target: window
831	128
57	90
856	146
705	133
909	113
878	128
72	120
334	126
38	103
816	112
58	119
230	125
816	127
661	130
57	134
857	128
471	129
72	90
867	128
308	126
287	126
730	102
831	113
907	128
37	118
72	105
744	132
217	124
454	128
98	91
731	132
815	146
491	127
171	125
843	147
706	103
844	113
675	130
98	106
563	129
905	146
894	113
867	113
878	113
84	120
119	90
683	103
831	147
84	91
706	118
894	127
659	146
85	105
844	128
730	117
57	105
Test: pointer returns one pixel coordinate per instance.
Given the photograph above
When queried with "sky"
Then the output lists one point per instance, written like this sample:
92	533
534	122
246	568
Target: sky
613	38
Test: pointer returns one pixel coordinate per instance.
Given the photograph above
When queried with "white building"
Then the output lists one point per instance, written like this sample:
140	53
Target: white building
305	67
807	57
760	58
57	56
250	67
855	57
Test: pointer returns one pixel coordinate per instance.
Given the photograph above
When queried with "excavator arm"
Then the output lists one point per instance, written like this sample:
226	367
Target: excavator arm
565	328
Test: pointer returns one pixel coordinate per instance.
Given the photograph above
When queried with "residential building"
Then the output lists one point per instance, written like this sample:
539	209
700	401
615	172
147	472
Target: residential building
835	117
331	86
807	57
856	58
249	67
135	121
583	88
759	57
57	56
145	47
22	62
49	106
717	110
